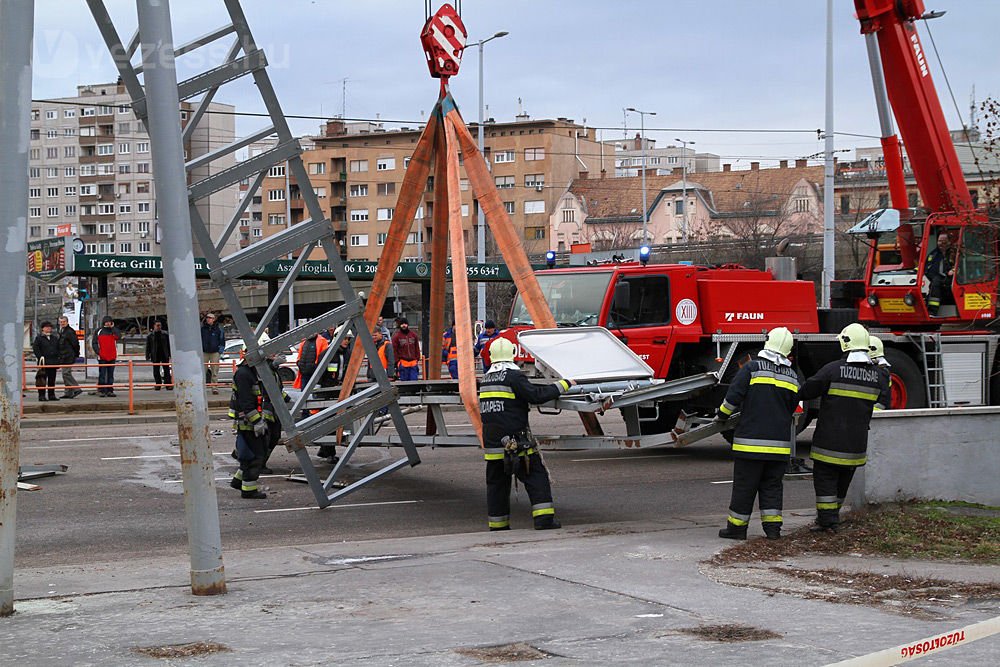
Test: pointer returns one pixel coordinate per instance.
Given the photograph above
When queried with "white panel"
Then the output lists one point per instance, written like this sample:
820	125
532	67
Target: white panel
584	353
963	373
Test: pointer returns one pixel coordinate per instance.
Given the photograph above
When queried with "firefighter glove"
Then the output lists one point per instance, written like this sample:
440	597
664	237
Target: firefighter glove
260	428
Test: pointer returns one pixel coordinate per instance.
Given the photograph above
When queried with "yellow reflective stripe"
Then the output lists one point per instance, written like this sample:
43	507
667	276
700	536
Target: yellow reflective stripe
545	510
828	506
724	410
878	407
564	384
838	461
493	457
497	394
499	524
737	522
853	394
776	382
758	449
771	518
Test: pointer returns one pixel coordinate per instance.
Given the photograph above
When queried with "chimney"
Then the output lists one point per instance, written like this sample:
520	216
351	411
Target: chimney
637	144
604	173
755	166
783	164
800	163
727	167
583	174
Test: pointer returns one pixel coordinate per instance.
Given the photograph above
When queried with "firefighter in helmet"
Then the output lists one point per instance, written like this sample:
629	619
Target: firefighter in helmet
849	390
876	350
510	449
255	424
765	392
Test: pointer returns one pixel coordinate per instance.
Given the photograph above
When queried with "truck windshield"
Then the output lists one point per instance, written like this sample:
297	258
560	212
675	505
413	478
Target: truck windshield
574	298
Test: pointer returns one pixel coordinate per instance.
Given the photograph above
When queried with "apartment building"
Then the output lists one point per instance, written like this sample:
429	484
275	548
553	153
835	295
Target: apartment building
357	170
629	154
90	171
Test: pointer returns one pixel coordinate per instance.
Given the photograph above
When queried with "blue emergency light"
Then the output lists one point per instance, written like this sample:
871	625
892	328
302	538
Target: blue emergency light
550	259
644	254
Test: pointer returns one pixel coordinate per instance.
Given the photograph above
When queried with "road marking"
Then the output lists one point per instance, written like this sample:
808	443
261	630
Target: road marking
630	458
219	479
155	456
116	437
335	506
923	647
725	481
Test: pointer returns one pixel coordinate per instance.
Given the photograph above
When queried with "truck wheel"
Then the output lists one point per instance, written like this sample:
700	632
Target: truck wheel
665	420
908	389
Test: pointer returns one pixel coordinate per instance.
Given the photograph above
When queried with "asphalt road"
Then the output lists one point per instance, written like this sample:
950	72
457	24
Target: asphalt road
122	496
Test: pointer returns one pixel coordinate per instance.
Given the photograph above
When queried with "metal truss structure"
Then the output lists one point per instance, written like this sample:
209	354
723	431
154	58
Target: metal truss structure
245	58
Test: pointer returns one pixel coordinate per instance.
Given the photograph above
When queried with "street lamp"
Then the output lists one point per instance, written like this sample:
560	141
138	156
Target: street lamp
481	217
684	186
642	138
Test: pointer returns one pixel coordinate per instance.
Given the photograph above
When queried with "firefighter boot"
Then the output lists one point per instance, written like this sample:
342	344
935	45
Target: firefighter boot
733	532
772	531
547	522
254	495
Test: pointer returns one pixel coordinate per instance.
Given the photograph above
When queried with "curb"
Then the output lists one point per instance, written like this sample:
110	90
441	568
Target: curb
105	419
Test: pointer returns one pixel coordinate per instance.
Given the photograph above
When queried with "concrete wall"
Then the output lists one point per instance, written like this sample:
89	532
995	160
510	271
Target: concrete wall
933	454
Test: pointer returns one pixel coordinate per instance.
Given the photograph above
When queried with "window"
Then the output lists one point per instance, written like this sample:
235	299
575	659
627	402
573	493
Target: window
124	168
678	207
381	237
142	187
845	204
359	214
465	210
883	200
53	212
359	190
387	188
88	209
648	303
320	193
317	168
91	249
35	231
88	190
275	195
142	227
51	115
106	228
359	240
142	147
51	192
142	167
35	212
406	162
802	205
123	109
88	170
414	237
35	154
143	246
463	185
359	165
52	153
534	233
69	131
36	114
52	172
105	110
509	207
52	133
534	180
257	232
34	172
536	206
88	111
125	248
34	193
125	227
385	213
504	156
976	260
277	171
88	131
69	171
385	164
504	182
569	215
70	210
105	209
106	169
69	113
106	248
142	207
69	151
35	134
419	215
124	128
274	219
124	208
534	154
105	149
124	149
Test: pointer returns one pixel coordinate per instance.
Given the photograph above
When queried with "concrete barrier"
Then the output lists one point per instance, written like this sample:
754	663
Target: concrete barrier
931	454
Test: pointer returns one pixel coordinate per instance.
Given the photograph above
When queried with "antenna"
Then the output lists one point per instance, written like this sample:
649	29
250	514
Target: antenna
343	97
972	108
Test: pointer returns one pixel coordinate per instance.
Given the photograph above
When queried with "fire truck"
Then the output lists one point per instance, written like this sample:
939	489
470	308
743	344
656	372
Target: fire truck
681	319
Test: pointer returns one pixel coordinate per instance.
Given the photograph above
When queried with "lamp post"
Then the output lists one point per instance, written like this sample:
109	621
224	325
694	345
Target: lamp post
481	217
684	185
642	138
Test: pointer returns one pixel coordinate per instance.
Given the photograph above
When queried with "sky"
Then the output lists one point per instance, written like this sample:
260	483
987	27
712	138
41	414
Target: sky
700	65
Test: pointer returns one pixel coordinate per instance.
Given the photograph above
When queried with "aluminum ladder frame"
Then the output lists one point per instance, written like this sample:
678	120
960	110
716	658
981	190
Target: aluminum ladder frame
929	345
315	232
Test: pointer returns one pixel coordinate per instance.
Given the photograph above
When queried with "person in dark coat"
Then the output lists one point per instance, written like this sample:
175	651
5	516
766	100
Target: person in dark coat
765	392
47	354
505	397
158	352
69	352
213	343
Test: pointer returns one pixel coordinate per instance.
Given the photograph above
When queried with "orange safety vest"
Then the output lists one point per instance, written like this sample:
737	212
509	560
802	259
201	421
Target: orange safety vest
408	364
382	358
448	344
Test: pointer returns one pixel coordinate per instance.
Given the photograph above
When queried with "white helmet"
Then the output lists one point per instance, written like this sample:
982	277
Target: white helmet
779	340
875	348
854	337
501	350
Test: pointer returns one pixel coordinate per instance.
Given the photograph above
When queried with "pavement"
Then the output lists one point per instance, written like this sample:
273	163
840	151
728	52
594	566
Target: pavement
626	593
148	405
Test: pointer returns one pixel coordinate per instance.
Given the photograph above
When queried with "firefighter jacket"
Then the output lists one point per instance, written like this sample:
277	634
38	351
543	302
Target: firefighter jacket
504	398
939	263
245	403
266	404
849	390
765	393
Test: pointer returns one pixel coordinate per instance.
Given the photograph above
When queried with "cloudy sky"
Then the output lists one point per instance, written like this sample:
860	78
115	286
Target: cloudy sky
701	65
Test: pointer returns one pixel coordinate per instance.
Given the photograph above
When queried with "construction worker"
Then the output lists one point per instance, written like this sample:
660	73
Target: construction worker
336	367
385	357
876	350
850	388
246	411
482	346
406	348
449	350
765	392
939	270
504	398
310	352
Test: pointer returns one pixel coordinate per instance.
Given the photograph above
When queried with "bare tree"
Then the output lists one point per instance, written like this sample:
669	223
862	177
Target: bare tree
615	235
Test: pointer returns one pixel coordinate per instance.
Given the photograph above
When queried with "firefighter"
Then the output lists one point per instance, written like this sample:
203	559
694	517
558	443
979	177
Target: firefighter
267	410
765	392
850	388
877	353
246	411
940	269
510	449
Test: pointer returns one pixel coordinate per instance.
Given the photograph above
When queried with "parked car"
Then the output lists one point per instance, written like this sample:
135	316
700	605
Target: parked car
286	372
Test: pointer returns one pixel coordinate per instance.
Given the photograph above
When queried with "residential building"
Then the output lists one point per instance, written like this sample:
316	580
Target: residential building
725	204
91	174
628	155
357	170
251	227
